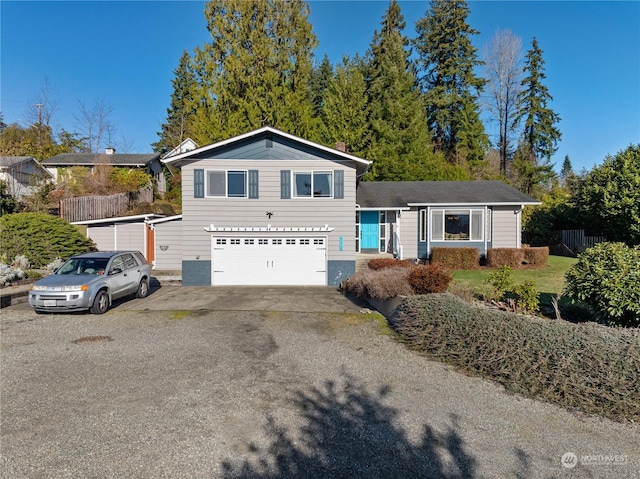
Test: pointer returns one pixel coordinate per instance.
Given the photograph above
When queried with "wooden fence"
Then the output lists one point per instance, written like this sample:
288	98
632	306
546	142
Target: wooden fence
575	241
84	208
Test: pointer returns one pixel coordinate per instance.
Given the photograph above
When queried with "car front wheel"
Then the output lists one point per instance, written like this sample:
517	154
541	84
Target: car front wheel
101	303
143	288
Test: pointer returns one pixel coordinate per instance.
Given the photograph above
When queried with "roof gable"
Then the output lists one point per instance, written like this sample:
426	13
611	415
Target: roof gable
266	143
399	194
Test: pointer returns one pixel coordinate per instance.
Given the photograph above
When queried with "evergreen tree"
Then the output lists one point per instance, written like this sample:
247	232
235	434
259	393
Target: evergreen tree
182	110
532	178
446	60
256	70
400	146
320	78
540	133
344	109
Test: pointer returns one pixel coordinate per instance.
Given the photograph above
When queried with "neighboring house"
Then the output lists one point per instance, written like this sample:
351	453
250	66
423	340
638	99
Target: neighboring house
22	175
269	208
408	218
186	145
149	162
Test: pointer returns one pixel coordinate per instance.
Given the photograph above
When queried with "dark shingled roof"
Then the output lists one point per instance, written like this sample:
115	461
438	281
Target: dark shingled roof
396	194
14	160
91	159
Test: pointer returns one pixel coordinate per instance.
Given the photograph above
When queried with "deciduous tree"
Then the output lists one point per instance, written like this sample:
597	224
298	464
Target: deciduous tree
502	59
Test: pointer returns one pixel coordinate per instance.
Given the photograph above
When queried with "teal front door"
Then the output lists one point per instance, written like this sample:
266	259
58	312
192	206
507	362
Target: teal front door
369	231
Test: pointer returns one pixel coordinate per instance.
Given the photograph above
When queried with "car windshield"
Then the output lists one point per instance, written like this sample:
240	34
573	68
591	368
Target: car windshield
83	266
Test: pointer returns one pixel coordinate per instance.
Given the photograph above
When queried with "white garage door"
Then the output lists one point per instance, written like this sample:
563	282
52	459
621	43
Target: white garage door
261	260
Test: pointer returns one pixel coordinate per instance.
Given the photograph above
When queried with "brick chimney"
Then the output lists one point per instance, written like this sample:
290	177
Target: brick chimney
341	146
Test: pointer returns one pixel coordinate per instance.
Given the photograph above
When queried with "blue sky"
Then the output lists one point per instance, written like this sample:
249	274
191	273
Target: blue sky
126	52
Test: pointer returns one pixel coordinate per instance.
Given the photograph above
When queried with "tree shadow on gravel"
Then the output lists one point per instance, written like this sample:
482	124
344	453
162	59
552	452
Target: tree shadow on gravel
349	432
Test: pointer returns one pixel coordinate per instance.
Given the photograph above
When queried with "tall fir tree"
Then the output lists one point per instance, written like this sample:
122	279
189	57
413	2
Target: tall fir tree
344	108
320	78
400	145
540	134
256	70
181	112
446	62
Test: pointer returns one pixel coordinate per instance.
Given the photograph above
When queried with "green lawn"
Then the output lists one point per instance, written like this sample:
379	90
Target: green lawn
549	281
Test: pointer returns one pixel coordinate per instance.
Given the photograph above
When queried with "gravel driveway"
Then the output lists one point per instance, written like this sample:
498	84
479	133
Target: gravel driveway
214	394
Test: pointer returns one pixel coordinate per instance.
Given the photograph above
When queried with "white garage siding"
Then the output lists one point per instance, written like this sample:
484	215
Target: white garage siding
130	236
280	260
103	236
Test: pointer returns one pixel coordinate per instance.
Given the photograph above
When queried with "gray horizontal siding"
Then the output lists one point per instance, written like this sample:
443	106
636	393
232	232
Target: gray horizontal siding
168	245
199	213
505	227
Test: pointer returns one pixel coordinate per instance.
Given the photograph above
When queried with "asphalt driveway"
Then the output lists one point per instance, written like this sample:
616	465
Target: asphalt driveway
200	393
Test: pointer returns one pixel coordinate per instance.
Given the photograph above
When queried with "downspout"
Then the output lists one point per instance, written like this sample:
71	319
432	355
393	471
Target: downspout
428	232
486	233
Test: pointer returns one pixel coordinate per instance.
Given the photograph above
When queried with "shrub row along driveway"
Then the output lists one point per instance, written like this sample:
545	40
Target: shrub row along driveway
267	394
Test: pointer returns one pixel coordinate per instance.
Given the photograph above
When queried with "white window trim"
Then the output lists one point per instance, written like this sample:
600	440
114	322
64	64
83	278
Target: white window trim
312	173
443	238
226	183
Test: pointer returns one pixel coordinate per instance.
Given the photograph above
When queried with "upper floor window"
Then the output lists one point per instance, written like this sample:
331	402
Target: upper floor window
315	184
230	183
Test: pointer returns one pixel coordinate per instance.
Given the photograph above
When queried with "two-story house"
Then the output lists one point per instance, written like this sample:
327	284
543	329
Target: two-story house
269	208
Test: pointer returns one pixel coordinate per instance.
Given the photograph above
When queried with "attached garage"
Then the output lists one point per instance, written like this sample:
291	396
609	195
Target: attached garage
275	259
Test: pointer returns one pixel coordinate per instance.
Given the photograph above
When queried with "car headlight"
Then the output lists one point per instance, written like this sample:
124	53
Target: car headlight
82	287
35	287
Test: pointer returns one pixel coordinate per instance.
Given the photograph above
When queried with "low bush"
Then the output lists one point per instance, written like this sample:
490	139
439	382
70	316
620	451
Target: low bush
536	256
456	258
41	238
382	263
519	298
513	257
607	278
382	284
588	367
428	279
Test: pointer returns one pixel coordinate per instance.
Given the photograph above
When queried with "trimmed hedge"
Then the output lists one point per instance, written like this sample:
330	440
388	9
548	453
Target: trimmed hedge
456	258
537	256
588	367
381	263
513	257
382	284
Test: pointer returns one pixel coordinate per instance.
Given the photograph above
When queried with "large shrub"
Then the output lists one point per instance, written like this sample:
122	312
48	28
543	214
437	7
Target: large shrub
430	278
610	196
456	258
384	283
607	278
589	367
41	238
